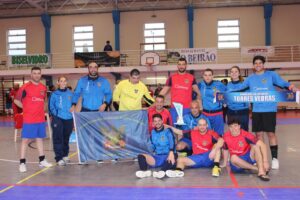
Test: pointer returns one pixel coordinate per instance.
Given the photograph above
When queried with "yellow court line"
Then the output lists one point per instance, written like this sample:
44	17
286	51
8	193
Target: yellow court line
29	177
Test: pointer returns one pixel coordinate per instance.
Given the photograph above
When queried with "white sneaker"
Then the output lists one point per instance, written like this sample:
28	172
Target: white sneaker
22	167
61	163
159	174
66	159
143	174
174	173
45	163
275	163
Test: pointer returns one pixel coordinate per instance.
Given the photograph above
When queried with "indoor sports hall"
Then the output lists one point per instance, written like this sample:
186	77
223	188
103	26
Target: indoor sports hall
61	38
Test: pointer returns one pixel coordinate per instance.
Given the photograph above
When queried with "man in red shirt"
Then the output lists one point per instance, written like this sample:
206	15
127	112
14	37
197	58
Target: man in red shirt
182	85
245	150
206	146
159	108
31	97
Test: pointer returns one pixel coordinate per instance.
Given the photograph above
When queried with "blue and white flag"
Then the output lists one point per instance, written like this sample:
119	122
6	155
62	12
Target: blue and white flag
255	97
111	135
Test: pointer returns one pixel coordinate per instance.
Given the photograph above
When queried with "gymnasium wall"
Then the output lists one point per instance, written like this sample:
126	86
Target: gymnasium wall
284	27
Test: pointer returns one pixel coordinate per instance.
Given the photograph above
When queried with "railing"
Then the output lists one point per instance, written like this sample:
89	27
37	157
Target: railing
287	53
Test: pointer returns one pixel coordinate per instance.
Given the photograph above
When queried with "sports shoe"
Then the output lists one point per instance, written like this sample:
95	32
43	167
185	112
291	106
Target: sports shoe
66	159
143	174
45	163
174	173
159	174
100	161
22	167
275	163
216	171
61	163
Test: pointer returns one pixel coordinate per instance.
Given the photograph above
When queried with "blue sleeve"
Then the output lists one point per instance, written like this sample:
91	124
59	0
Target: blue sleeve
52	108
77	92
107	92
244	85
222	87
278	81
171	140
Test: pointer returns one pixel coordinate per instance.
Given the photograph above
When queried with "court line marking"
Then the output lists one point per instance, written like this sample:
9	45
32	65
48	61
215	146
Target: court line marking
29	177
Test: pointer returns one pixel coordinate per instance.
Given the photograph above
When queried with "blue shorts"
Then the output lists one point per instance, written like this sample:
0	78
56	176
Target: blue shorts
159	160
187	141
217	123
201	160
36	130
246	158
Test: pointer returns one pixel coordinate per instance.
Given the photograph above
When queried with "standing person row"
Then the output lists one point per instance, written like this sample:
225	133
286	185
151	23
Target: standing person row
60	104
31	98
182	84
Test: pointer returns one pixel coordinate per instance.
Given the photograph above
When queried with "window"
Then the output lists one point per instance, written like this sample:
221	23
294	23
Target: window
83	39
16	42
228	34
154	34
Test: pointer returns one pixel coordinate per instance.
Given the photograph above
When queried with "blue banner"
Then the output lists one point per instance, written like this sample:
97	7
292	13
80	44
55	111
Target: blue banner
255	97
111	135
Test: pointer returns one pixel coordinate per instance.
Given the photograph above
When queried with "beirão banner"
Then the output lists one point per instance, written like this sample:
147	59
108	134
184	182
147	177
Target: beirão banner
40	60
193	55
111	135
257	97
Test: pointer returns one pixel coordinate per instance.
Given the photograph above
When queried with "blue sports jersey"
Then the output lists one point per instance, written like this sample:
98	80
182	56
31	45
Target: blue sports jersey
60	103
263	82
94	92
233	85
162	141
208	93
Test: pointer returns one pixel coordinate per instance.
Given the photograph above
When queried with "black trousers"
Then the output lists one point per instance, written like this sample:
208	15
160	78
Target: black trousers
62	130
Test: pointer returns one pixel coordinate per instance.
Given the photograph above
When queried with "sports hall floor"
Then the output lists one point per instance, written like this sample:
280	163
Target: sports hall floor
118	181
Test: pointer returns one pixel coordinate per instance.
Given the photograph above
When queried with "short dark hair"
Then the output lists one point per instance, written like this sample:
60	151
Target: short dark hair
134	72
234	120
107	41
92	61
258	57
160	96
157	115
182	59
35	68
209	70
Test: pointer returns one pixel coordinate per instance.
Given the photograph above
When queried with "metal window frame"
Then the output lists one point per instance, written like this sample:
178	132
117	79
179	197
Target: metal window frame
8	43
228	41
151	29
73	43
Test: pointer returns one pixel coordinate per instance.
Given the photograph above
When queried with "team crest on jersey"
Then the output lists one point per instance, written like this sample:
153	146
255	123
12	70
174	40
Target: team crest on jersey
42	92
136	91
264	81
69	98
99	84
241	143
162	138
186	81
204	143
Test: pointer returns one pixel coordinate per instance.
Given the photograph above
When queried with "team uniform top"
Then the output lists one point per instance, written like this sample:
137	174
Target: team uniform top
162	141
262	83
233	85
130	95
181	88
208	94
32	97
239	145
191	122
94	92
203	143
60	104
166	116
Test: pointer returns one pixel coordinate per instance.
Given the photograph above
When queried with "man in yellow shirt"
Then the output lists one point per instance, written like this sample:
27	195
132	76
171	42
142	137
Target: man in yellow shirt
130	92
